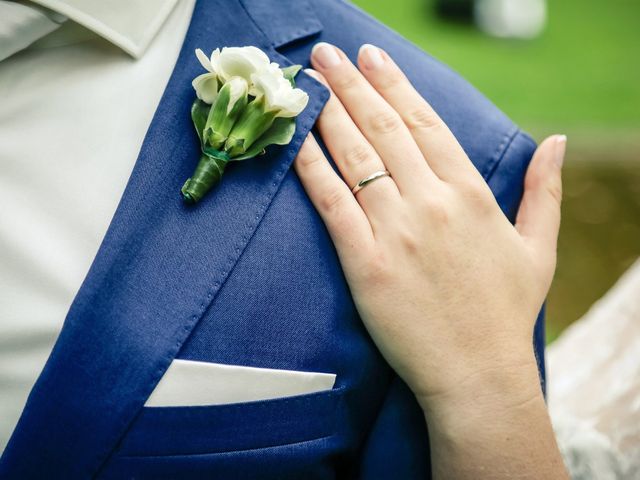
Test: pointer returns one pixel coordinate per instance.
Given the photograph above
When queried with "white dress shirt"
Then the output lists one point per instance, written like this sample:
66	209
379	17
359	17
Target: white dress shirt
74	109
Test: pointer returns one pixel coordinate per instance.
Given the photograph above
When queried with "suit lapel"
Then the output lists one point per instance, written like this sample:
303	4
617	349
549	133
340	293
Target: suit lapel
161	264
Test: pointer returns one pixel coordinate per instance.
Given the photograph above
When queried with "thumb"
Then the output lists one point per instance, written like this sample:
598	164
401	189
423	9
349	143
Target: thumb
538	219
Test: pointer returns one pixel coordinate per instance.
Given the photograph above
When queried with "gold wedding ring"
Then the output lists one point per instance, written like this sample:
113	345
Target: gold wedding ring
371	178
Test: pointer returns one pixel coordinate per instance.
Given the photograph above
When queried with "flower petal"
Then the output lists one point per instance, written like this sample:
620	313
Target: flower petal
267	84
238	86
215	60
241	62
204	60
206	87
293	103
258	55
279	94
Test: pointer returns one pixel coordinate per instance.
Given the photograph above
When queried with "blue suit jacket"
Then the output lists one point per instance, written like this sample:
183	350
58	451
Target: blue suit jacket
250	277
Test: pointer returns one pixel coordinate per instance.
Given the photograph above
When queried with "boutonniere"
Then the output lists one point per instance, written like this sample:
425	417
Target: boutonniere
244	104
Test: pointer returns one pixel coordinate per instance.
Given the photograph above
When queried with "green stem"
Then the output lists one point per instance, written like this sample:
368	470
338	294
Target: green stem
207	174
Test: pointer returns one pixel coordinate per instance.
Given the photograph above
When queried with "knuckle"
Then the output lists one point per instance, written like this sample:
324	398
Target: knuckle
358	155
474	190
554	189
308	158
390	80
409	241
332	201
346	81
385	122
377	269
436	210
422	118
478	194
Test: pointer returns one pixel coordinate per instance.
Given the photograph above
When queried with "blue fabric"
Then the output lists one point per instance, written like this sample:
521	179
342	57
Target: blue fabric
248	276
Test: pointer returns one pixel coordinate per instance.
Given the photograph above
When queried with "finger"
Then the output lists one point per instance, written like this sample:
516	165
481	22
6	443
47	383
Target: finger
375	118
436	142
538	219
356	159
345	220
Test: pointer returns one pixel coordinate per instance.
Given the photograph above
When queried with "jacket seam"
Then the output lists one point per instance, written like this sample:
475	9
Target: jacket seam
501	152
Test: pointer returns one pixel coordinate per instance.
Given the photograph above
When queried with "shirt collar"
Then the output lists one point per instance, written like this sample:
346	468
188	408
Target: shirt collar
128	24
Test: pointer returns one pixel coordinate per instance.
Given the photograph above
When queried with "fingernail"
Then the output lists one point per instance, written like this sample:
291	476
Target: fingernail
370	56
325	55
311	72
560	148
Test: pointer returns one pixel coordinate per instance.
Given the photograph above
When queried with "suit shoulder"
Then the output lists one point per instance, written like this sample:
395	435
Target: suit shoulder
482	129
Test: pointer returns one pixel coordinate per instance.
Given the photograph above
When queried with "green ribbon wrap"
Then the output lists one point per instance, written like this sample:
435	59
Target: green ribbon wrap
206	175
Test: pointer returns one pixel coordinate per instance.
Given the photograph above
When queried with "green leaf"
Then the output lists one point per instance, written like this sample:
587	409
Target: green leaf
280	133
290	73
199	114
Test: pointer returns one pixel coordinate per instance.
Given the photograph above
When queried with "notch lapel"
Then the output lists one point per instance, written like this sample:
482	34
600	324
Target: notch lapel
160	265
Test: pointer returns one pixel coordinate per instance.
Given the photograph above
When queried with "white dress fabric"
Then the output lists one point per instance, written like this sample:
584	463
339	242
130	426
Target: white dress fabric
594	386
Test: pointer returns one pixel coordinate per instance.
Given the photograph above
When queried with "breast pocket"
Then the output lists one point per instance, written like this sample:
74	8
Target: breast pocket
200	430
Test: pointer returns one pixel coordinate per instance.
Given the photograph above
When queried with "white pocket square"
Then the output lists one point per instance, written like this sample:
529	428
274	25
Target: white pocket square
188	383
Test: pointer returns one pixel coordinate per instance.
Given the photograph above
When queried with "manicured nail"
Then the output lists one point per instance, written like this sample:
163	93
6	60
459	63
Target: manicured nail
370	56
311	72
560	148
325	55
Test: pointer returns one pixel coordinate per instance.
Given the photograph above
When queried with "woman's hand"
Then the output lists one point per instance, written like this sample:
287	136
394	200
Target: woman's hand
448	289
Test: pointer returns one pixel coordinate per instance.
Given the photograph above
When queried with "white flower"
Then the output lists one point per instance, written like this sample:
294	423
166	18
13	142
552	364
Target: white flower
225	64
206	85
262	78
239	62
280	96
209	64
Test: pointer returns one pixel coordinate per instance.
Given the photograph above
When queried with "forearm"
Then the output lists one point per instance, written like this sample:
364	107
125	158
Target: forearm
494	425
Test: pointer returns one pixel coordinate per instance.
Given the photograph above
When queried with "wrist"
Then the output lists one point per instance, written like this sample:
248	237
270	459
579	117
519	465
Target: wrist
500	386
497	419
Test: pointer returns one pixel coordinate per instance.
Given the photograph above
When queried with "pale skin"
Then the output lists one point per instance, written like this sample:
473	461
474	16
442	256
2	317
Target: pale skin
448	289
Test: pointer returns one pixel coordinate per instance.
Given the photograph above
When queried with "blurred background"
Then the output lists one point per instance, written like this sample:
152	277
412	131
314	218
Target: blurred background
564	66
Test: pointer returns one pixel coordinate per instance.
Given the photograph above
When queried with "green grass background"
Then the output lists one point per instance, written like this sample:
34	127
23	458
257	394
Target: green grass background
580	77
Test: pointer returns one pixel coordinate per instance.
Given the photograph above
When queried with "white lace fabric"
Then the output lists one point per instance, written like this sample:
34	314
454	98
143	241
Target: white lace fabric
594	386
